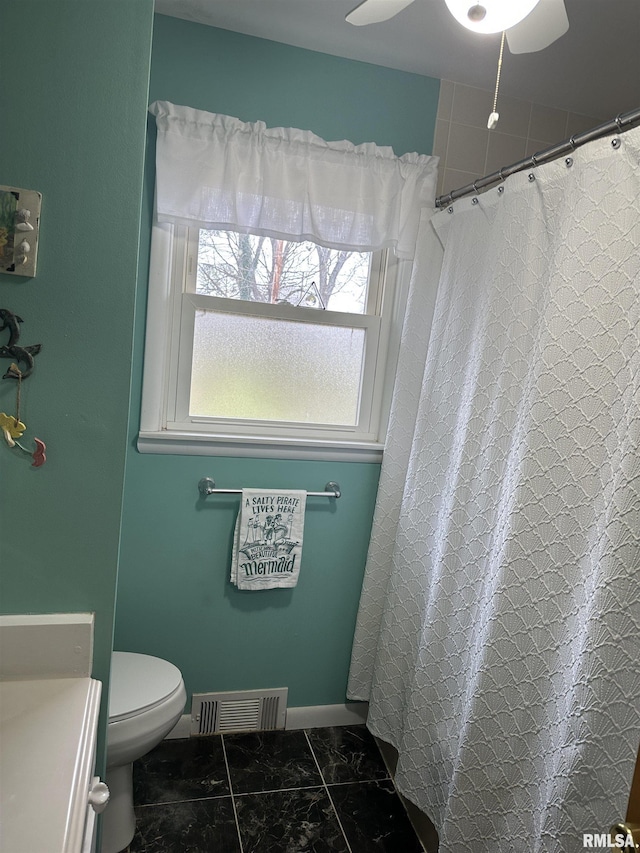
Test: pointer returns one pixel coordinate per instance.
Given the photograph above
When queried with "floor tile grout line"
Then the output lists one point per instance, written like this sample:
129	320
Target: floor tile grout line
233	801
236	794
279	790
362	782
326	787
183	800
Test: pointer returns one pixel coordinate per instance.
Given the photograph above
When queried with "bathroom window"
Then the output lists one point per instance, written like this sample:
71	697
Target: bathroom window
258	342
286	364
274	347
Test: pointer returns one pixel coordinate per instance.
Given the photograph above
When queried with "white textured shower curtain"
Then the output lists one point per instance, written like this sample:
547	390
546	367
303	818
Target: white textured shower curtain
498	637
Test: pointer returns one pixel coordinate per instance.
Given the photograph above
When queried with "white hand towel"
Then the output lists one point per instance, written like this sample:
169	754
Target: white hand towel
267	545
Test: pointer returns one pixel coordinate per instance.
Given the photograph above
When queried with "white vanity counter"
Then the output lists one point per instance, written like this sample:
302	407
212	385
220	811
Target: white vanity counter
47	753
48	731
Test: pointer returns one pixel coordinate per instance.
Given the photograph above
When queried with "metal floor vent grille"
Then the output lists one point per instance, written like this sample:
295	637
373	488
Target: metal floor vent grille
241	711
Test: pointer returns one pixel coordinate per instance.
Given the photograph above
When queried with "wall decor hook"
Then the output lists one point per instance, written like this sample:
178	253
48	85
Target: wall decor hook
11	427
13	350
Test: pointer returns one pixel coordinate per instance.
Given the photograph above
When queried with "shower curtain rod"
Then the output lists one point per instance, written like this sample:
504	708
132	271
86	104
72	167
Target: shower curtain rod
624	121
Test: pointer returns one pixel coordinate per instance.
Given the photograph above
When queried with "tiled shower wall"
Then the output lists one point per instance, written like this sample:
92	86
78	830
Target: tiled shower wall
468	150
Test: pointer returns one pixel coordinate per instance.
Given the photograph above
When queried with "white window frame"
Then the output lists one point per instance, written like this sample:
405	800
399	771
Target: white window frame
165	424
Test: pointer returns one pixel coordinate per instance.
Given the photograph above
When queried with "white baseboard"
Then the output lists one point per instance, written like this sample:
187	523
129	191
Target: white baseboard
308	717
321	716
181	729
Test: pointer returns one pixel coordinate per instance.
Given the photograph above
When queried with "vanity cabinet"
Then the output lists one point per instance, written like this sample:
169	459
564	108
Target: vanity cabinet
49	708
48	791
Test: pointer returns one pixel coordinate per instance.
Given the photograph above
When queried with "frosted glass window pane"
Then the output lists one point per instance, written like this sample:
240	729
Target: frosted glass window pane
275	370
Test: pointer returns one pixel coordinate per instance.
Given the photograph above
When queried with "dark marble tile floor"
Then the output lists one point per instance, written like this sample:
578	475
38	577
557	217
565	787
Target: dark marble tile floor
314	791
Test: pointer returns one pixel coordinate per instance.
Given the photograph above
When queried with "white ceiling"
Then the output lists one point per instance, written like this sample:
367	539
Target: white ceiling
594	69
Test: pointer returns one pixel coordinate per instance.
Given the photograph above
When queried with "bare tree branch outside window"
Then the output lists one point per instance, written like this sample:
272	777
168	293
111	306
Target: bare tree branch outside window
265	269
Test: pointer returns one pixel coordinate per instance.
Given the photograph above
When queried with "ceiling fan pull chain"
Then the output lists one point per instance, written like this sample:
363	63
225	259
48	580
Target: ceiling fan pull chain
493	118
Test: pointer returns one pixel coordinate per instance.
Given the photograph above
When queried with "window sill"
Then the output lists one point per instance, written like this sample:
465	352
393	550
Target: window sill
199	444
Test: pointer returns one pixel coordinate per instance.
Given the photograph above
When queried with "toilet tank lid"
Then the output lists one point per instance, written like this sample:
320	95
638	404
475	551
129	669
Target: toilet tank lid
138	682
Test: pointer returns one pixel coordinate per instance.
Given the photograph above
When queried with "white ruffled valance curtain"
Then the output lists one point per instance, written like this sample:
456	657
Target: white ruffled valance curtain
498	637
215	171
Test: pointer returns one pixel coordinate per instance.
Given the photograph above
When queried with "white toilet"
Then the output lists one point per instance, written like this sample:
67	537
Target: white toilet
146	699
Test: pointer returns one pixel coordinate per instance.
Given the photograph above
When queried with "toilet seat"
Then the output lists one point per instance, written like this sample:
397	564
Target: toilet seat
140	683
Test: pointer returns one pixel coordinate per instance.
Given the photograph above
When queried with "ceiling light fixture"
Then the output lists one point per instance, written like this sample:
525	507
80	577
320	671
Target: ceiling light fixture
490	16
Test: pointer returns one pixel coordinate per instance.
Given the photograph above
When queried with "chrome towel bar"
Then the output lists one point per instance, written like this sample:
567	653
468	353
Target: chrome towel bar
207	486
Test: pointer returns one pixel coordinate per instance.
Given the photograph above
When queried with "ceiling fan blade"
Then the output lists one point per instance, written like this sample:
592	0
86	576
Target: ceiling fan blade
542	26
374	11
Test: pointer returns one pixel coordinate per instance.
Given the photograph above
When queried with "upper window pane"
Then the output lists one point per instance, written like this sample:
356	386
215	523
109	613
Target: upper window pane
264	269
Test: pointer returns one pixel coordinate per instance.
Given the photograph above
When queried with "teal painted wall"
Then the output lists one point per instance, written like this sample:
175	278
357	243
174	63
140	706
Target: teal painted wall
254	79
174	599
74	92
